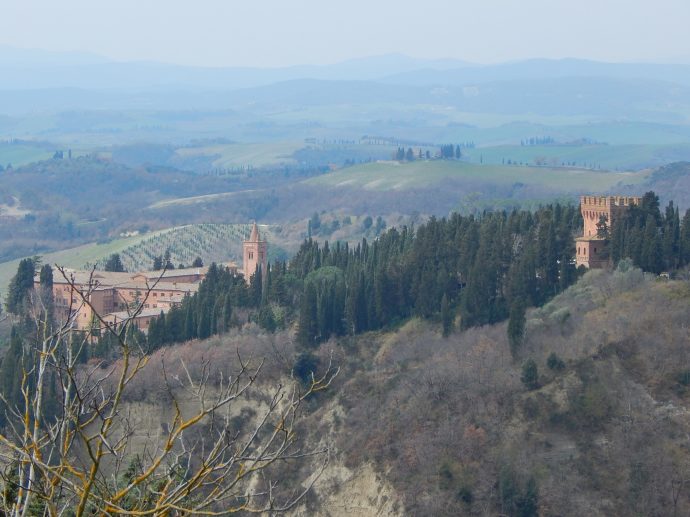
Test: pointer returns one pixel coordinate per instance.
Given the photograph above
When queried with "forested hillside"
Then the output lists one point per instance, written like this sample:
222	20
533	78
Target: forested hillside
458	425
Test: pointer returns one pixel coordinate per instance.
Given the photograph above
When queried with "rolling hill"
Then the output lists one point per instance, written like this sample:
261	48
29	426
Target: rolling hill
384	176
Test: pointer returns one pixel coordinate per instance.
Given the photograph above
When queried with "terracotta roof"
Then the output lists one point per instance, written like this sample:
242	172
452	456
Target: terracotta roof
124	315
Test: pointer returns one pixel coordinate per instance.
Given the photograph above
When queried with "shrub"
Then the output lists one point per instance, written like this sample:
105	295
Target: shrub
530	375
684	378
306	364
555	363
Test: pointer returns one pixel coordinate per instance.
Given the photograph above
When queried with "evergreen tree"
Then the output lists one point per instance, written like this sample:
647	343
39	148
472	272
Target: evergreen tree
204	319
528	503
114	264
685	239
167	262
11	372
157	263
266	319
20	285
46	277
307	327
530	375
446	316
198	262
651	253
516	325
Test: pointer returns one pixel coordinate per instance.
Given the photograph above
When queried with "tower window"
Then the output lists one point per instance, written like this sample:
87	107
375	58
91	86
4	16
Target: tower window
251	255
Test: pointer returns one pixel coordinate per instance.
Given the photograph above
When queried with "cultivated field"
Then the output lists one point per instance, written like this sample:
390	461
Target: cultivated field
211	242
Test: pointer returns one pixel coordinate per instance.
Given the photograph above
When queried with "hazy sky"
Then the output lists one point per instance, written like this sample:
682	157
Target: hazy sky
288	32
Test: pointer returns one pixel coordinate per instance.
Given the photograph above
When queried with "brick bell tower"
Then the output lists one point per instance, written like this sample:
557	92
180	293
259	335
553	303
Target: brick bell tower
254	253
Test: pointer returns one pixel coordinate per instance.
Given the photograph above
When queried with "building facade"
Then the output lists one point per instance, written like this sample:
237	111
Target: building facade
85	295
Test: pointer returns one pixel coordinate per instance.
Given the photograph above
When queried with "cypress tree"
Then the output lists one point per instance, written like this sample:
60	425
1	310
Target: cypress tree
46	277
446	316
20	285
685	239
204	319
516	325
650	255
307	327
114	263
11	371
189	327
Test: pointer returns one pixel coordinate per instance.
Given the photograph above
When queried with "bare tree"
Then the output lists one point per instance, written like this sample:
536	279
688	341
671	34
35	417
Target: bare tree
80	458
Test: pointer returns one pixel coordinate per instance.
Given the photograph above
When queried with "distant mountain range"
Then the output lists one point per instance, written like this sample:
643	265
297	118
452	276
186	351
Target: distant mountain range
36	80
39	69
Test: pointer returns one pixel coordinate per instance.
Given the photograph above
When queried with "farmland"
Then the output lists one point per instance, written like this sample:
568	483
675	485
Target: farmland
611	157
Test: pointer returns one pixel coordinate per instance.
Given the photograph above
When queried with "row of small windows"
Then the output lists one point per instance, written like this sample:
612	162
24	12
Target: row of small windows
584	251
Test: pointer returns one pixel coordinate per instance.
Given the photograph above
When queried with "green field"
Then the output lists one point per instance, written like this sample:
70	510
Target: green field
229	156
400	176
623	157
21	154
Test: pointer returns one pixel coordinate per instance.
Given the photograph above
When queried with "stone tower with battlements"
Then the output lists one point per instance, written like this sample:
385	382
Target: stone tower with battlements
591	250
254	253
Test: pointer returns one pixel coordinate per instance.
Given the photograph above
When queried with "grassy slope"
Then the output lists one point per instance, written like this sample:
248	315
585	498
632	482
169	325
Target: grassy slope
626	157
396	176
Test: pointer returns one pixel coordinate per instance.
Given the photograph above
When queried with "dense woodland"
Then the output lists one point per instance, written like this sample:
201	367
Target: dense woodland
462	270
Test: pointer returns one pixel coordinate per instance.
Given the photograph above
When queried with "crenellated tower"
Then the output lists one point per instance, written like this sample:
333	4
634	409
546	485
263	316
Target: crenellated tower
254	253
592	249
